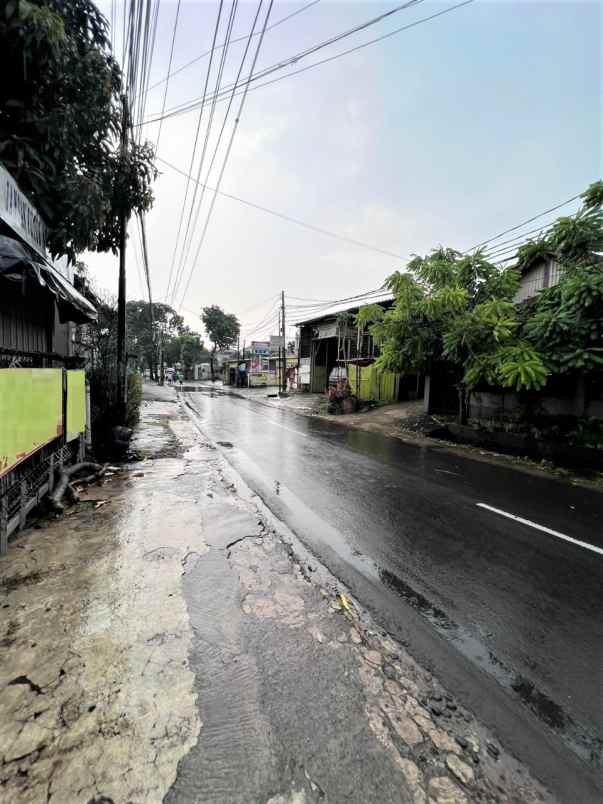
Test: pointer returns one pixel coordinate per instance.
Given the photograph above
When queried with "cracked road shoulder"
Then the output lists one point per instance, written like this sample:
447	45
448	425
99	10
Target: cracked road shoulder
172	647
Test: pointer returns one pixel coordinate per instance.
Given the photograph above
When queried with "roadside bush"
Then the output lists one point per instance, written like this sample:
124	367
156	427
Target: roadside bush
104	407
134	398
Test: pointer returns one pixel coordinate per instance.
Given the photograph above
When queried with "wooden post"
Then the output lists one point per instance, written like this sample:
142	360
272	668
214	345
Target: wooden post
3	525
22	505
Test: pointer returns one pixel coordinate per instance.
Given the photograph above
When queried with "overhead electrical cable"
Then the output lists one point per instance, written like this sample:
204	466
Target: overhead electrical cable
270	315
167	81
523	236
148	65
233	41
181	219
203	185
304	53
265	326
195	211
289	218
193	104
228	151
523	223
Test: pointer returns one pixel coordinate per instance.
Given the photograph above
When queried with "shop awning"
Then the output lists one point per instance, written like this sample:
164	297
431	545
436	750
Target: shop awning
17	260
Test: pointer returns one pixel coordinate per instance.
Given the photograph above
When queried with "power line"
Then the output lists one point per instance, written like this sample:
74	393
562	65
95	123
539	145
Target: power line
145	256
523	223
193	104
148	48
316	301
259	304
265	321
186	247
228	150
520	237
264	326
216	28
317	310
307	52
140	277
234	41
167	82
289	218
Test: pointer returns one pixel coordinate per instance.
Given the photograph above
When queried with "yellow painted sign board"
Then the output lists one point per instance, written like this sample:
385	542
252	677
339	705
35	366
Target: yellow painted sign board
76	403
31	412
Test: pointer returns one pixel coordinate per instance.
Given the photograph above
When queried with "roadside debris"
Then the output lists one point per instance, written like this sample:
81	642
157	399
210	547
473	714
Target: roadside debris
64	485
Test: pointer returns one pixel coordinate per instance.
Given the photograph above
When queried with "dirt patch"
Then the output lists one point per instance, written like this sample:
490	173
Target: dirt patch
10	584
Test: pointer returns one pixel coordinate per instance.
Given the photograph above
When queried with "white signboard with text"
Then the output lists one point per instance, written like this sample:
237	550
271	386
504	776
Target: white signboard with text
18	213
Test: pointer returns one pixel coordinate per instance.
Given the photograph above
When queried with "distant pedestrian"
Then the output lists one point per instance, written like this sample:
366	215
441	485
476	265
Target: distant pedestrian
180	377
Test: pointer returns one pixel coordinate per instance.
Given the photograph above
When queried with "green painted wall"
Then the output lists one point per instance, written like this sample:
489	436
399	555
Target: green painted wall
76	403
31	412
374	385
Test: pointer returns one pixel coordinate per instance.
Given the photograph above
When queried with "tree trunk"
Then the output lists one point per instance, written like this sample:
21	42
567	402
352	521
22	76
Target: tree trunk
211	363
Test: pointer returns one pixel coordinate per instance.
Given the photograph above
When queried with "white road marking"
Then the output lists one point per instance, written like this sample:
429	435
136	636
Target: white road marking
551	532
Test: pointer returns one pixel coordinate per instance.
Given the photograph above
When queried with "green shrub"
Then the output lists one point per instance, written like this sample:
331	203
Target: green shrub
134	398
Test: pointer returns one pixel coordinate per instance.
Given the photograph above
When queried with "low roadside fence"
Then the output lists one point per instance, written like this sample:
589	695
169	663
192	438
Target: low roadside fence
43	415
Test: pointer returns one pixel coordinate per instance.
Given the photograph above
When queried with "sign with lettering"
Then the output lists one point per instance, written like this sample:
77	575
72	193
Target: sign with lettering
18	213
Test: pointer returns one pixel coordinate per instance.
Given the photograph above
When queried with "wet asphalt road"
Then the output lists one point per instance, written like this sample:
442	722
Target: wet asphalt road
505	613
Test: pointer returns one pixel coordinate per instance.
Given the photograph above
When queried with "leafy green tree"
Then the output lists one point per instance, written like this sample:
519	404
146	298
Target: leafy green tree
458	309
61	121
565	322
186	348
222	330
146	337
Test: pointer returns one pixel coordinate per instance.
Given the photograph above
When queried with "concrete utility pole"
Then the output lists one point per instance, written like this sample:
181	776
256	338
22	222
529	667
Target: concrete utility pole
284	368
122	381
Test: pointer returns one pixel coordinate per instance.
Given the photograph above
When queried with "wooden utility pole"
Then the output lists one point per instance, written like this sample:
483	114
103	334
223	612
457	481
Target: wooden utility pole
122	382
284	334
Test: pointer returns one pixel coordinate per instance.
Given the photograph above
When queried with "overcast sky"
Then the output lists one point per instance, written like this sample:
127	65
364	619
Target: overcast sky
445	133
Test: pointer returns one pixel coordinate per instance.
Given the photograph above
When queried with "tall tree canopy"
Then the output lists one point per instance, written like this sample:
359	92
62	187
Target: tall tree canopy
60	123
185	348
143	338
222	329
459	309
565	322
